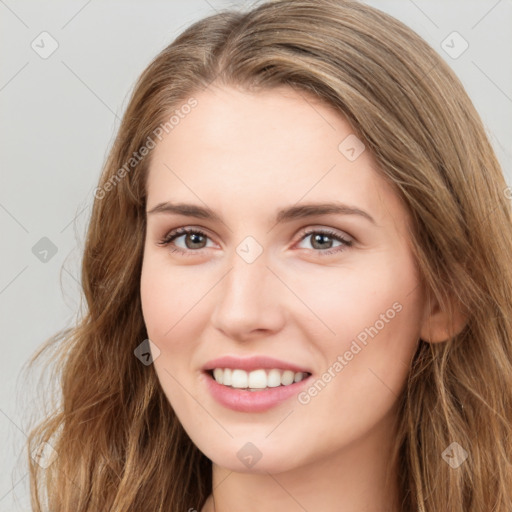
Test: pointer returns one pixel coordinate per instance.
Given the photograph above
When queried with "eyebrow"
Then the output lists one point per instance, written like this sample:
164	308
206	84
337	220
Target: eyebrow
283	215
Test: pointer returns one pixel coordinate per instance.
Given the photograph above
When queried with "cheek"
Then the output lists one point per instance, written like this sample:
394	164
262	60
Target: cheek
175	314
374	313
156	302
378	292
166	319
168	297
367	363
381	326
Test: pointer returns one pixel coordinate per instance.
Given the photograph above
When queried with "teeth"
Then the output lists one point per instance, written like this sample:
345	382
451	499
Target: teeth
239	379
226	376
257	379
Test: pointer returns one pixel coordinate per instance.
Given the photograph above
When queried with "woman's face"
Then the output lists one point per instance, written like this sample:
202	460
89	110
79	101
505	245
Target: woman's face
299	251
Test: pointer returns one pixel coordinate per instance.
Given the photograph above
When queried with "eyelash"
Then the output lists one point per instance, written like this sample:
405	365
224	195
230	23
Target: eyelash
171	236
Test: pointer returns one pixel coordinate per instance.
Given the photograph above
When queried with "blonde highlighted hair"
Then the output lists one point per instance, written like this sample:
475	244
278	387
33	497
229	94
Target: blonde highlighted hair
120	446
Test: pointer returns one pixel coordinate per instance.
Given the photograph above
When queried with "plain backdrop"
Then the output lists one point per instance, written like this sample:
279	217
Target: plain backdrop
59	115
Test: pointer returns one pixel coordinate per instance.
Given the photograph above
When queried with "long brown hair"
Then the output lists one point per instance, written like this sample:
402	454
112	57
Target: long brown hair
119	445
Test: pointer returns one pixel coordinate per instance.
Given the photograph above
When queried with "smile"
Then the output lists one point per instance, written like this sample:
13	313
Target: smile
254	399
256	380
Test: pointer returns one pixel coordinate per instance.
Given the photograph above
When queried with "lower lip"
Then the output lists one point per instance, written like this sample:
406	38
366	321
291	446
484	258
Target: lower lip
252	401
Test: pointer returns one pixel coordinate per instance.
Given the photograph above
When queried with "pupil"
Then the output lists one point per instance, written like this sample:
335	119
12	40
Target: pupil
318	238
193	237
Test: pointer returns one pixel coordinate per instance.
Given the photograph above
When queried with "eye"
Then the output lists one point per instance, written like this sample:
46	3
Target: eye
321	241
194	240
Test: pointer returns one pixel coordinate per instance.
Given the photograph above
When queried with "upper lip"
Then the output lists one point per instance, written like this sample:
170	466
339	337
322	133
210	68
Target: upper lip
252	363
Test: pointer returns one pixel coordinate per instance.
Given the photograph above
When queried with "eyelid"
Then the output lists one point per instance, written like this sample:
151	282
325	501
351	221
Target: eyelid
302	232
345	239
183	230
334	231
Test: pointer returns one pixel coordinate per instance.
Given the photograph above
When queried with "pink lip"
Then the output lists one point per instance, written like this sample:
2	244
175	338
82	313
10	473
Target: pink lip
251	401
252	363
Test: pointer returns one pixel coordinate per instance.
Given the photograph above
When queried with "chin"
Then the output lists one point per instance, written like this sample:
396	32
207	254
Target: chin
251	457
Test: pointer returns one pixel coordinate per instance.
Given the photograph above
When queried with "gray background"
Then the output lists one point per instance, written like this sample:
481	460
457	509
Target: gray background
59	117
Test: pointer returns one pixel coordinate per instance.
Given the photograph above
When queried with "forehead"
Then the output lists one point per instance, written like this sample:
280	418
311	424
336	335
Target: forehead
228	118
263	150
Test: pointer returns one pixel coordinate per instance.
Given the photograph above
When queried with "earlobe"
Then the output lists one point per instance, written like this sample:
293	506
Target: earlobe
437	325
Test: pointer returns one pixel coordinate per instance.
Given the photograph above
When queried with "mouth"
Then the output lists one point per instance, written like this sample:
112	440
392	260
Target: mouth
257	380
255	391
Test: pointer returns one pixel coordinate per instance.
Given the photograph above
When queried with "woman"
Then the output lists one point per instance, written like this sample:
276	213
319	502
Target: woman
298	282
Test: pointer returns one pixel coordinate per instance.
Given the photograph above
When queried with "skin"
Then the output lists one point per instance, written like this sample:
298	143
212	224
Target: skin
245	155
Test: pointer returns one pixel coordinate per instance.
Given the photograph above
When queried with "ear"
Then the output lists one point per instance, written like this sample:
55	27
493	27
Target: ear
436	326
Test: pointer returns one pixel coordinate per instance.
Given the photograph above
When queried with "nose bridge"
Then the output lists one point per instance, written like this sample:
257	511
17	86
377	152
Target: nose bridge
248	296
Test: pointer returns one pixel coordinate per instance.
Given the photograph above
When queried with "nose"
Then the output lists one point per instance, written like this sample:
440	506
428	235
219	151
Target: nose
249	300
